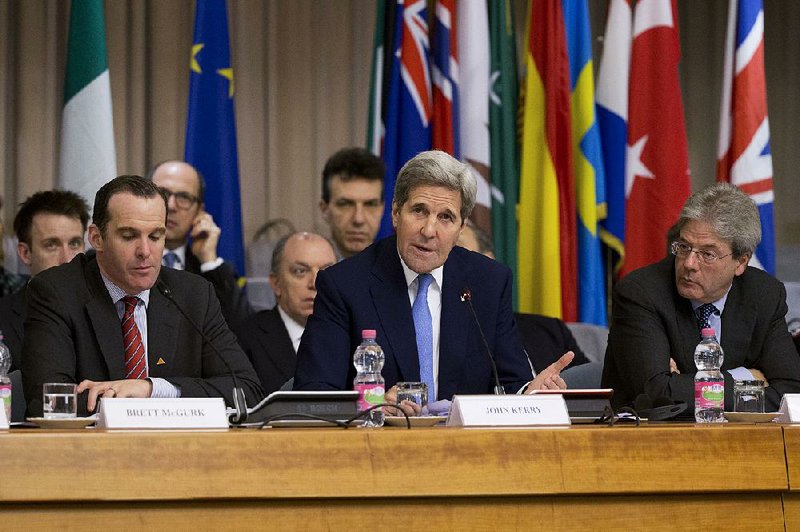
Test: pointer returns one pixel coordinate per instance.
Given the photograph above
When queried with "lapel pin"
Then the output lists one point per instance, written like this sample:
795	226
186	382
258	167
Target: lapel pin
160	362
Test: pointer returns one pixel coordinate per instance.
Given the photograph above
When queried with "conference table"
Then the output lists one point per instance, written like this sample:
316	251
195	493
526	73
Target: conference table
653	477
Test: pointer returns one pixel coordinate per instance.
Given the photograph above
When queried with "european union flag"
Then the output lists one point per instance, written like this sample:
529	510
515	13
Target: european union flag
211	128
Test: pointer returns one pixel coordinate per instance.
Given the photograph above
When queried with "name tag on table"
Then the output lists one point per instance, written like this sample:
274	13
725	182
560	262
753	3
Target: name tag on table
790	408
180	413
508	411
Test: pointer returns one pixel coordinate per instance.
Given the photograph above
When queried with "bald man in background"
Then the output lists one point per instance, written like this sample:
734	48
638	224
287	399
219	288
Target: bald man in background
270	338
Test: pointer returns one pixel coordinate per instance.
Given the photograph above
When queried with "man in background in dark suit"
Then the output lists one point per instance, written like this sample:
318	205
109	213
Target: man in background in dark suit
50	227
658	310
409	288
186	219
110	324
270	338
352	199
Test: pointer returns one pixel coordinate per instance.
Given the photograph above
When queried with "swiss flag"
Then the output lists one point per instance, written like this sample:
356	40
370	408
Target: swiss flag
657	162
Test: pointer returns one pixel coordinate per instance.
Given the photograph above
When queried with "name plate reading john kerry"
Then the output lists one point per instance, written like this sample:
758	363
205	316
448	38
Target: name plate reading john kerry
181	413
508	411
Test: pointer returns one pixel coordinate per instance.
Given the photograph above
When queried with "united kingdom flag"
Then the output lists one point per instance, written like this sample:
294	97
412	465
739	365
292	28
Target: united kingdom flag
445	79
408	101
744	156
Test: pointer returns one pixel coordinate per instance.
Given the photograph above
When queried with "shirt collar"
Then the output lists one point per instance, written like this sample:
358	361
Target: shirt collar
411	275
294	329
118	293
719	303
180	252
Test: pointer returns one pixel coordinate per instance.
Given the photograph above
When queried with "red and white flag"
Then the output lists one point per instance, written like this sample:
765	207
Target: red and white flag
657	163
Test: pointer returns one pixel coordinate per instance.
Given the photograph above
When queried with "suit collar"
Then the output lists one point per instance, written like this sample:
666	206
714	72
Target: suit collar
277	337
387	286
105	321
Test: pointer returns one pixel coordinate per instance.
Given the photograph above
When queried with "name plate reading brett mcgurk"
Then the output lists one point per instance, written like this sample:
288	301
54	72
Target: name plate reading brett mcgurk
179	413
507	411
790	408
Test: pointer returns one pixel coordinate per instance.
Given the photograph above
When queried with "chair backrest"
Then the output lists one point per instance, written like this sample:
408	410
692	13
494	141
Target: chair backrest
259	293
259	250
792	299
591	338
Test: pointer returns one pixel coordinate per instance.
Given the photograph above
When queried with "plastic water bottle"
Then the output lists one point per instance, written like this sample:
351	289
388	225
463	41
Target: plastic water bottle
709	384
368	360
5	382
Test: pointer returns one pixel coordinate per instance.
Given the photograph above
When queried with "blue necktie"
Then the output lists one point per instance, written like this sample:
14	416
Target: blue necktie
703	313
170	259
424	328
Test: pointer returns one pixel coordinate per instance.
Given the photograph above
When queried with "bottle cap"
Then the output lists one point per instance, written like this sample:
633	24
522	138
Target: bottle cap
368	334
708	331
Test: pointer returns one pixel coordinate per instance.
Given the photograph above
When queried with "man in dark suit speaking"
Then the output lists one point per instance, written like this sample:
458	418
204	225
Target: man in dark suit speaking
107	324
658	310
409	289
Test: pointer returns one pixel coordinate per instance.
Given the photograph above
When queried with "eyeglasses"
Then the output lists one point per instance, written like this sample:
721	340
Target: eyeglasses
183	200
682	249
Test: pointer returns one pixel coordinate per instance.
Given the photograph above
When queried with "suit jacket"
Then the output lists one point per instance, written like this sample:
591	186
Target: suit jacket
12	315
232	299
369	291
651	322
266	342
546	339
73	332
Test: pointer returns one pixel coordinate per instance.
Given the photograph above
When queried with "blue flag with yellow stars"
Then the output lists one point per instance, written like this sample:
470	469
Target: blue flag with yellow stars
211	127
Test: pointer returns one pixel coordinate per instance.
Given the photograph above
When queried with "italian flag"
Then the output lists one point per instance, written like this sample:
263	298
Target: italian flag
88	158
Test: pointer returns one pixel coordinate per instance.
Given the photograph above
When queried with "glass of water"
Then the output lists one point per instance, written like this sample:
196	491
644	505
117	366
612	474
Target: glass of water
60	400
415	392
748	396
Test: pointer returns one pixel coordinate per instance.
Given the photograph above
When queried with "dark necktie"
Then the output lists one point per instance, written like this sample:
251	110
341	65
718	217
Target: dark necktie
424	329
135	364
169	259
703	313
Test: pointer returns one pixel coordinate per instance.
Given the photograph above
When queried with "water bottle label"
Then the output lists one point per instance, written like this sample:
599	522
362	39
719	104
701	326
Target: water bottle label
709	394
5	396
369	395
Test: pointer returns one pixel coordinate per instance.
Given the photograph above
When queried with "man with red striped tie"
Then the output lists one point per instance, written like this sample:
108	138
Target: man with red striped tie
120	325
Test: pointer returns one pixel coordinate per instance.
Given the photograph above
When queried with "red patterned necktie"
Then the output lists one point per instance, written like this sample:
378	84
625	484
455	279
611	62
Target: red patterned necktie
135	366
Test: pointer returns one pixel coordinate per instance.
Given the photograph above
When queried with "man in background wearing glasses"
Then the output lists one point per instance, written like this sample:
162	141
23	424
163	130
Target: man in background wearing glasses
658	310
186	218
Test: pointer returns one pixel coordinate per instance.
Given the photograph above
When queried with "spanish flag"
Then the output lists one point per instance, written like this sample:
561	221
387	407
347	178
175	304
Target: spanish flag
547	217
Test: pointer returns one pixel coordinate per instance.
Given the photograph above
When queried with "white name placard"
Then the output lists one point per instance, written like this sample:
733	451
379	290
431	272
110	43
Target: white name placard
507	410
180	413
790	408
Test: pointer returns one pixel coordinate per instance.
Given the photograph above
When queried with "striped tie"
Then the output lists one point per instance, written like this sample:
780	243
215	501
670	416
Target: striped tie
135	364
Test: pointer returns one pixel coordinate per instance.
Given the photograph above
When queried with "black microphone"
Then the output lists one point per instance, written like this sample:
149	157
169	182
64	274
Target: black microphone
239	401
466	297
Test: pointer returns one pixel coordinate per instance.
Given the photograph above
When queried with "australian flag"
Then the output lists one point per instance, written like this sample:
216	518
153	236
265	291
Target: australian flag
406	101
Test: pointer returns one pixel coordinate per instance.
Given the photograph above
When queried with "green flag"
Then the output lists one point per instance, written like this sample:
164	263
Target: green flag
88	158
504	148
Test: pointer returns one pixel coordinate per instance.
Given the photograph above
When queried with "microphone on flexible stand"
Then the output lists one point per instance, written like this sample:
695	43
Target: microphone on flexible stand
239	401
466	297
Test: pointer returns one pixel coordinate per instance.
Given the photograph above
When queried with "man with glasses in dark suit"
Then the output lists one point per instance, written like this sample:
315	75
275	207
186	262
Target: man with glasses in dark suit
192	236
658	310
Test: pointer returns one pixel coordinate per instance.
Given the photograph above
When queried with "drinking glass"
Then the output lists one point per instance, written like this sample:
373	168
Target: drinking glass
416	392
748	396
60	400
